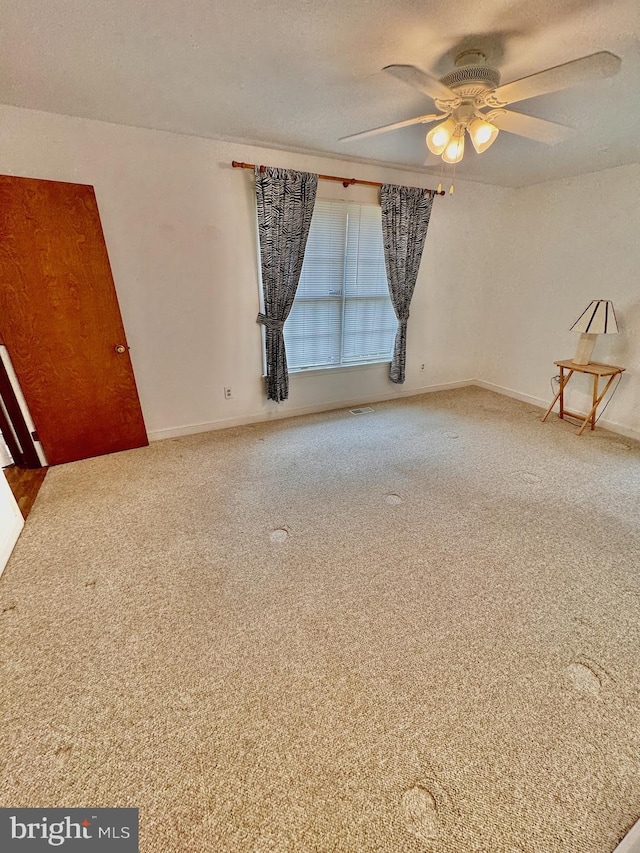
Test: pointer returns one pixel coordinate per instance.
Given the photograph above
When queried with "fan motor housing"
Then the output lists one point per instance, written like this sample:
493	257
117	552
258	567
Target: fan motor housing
475	79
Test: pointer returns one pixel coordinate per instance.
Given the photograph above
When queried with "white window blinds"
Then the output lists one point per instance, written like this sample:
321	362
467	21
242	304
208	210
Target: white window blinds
342	313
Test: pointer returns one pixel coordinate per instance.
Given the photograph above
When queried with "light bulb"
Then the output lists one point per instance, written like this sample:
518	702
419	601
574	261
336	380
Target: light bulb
438	138
454	152
482	133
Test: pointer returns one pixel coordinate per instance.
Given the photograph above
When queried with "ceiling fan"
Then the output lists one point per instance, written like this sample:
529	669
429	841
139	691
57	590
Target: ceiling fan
471	100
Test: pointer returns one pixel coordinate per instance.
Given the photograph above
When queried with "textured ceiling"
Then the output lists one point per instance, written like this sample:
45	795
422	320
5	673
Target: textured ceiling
299	74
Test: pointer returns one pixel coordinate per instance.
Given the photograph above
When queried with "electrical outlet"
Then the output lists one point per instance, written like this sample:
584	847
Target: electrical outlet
228	393
422	367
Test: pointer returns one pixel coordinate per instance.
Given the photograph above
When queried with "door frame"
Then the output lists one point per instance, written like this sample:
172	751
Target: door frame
13	426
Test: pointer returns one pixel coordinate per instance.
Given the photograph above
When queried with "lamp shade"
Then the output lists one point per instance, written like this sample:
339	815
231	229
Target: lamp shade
454	152
598	318
438	138
482	133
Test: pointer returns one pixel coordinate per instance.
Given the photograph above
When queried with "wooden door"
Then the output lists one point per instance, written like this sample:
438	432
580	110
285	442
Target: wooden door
60	321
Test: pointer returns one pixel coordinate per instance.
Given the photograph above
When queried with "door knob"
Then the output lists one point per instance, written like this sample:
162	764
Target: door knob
120	348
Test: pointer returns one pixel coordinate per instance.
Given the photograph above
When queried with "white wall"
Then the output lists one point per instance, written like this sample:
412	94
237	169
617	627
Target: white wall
565	243
504	273
11	521
180	228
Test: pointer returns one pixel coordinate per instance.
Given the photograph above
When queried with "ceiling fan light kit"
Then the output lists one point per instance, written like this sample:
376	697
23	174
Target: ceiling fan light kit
471	100
454	152
439	137
483	134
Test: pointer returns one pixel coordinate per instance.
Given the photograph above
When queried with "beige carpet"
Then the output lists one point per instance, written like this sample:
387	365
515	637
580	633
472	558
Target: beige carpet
411	630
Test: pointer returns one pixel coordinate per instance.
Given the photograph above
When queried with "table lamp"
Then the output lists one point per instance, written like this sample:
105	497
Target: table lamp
598	318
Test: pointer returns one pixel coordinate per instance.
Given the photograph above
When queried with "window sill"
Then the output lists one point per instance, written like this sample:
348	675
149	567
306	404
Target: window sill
342	368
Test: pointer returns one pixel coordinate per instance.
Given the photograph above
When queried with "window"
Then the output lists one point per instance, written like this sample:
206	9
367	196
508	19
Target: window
342	313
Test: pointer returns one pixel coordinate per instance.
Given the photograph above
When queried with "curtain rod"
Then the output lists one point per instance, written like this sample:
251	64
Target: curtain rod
346	182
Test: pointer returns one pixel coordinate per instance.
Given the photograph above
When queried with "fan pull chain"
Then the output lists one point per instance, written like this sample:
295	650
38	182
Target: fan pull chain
453	176
441	175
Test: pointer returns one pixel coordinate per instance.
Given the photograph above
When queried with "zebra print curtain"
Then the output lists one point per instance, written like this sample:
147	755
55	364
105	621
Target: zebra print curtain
405	219
285	201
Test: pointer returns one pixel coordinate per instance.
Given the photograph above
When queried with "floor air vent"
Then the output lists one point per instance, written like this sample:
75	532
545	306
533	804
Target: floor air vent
363	411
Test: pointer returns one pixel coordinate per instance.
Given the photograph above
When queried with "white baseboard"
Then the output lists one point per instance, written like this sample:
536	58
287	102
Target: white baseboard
260	417
9	539
610	426
508	392
631	842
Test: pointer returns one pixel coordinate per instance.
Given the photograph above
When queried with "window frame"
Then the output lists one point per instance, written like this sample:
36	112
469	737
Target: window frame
342	299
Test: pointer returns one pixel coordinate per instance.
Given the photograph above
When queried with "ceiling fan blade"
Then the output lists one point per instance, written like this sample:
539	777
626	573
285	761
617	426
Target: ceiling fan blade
387	127
593	67
529	126
422	81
